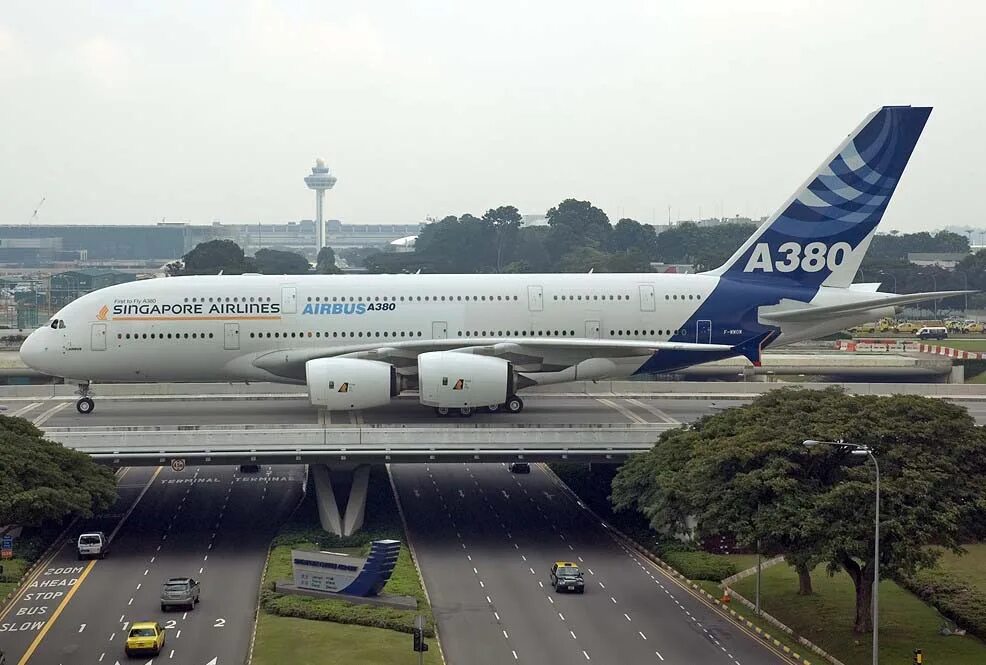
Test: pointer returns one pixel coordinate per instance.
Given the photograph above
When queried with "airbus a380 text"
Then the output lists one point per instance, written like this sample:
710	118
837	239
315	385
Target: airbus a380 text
473	341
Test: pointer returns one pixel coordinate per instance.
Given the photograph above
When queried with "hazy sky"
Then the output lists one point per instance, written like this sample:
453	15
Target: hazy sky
130	112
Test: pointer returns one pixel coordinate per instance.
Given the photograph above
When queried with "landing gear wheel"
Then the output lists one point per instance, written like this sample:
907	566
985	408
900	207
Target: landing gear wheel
493	408
441	411
514	404
85	405
465	411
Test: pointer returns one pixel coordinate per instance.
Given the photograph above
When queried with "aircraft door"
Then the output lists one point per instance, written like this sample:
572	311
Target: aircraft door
703	332
535	298
231	339
592	329
289	299
439	330
648	302
98	337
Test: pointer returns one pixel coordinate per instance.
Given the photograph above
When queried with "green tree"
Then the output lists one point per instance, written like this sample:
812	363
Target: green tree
325	264
528	253
277	262
818	505
576	224
629	235
465	244
583	259
505	221
43	481
209	258
704	247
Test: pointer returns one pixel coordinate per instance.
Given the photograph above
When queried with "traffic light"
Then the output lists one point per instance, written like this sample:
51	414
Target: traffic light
918	657
419	640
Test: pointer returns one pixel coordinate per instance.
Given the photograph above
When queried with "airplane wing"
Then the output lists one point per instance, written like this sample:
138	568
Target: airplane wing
290	363
828	311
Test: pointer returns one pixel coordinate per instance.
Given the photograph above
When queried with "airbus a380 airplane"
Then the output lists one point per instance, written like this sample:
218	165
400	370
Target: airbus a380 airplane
473	341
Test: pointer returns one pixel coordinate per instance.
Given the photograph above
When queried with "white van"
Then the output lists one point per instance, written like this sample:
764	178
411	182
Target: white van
932	332
93	544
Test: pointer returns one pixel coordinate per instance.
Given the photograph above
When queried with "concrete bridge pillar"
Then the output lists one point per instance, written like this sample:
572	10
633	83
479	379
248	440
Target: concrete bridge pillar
340	492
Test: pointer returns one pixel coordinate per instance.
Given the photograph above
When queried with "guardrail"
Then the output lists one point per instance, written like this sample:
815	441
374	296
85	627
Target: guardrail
272	444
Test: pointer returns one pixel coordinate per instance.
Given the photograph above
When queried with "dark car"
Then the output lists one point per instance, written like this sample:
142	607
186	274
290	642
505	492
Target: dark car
566	576
519	467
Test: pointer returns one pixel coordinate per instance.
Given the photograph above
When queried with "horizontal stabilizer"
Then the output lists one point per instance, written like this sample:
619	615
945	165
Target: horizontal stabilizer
752	348
828	311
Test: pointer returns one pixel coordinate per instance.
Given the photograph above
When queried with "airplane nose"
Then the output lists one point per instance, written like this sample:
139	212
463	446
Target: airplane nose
33	351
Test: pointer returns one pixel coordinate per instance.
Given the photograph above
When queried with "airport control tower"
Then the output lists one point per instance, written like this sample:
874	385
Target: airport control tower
320	180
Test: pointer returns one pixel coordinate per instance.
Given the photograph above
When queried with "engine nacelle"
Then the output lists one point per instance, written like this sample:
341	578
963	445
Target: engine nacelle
342	384
455	380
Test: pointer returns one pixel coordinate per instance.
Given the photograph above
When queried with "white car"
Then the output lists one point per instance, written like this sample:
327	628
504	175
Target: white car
93	544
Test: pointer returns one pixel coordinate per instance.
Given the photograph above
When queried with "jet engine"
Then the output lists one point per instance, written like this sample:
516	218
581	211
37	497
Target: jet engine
448	379
341	384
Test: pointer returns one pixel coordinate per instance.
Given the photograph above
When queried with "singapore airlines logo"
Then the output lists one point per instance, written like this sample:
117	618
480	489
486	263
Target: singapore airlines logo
103	313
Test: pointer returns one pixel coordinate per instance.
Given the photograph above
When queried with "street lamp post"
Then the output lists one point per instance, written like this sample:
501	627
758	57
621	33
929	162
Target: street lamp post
859	450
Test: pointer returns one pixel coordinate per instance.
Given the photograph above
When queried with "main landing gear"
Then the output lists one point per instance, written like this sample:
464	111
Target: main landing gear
513	404
85	405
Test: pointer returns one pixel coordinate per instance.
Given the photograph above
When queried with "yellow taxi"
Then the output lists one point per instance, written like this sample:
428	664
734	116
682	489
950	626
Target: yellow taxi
566	575
145	637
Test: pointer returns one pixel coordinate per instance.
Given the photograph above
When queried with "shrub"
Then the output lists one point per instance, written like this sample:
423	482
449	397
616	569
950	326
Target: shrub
956	599
321	609
699	565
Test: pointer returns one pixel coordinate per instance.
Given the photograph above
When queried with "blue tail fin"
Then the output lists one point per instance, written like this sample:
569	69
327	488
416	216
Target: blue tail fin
820	235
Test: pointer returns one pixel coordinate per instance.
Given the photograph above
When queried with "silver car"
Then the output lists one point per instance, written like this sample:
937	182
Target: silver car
179	592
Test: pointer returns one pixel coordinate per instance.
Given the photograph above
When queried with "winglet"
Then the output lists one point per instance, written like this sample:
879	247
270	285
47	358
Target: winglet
752	349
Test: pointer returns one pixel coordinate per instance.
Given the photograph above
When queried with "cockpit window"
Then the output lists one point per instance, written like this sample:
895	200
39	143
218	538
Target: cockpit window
54	323
61	324
57	324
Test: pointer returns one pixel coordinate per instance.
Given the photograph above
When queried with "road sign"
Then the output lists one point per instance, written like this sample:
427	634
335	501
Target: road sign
7	547
177	464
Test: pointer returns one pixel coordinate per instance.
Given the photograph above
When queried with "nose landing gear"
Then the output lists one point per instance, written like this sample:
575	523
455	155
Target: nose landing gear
85	405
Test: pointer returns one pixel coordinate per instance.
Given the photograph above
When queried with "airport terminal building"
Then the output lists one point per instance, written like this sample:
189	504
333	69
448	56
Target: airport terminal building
47	245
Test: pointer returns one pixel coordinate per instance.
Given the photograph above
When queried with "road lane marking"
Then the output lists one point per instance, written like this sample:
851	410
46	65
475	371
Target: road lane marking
656	411
20	412
43	418
627	413
54	617
126	515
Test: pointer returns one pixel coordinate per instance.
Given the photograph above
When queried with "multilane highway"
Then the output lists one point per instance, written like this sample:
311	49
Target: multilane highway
210	523
485	539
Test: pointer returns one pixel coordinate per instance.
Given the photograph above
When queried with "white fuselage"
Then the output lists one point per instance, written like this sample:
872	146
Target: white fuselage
214	328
